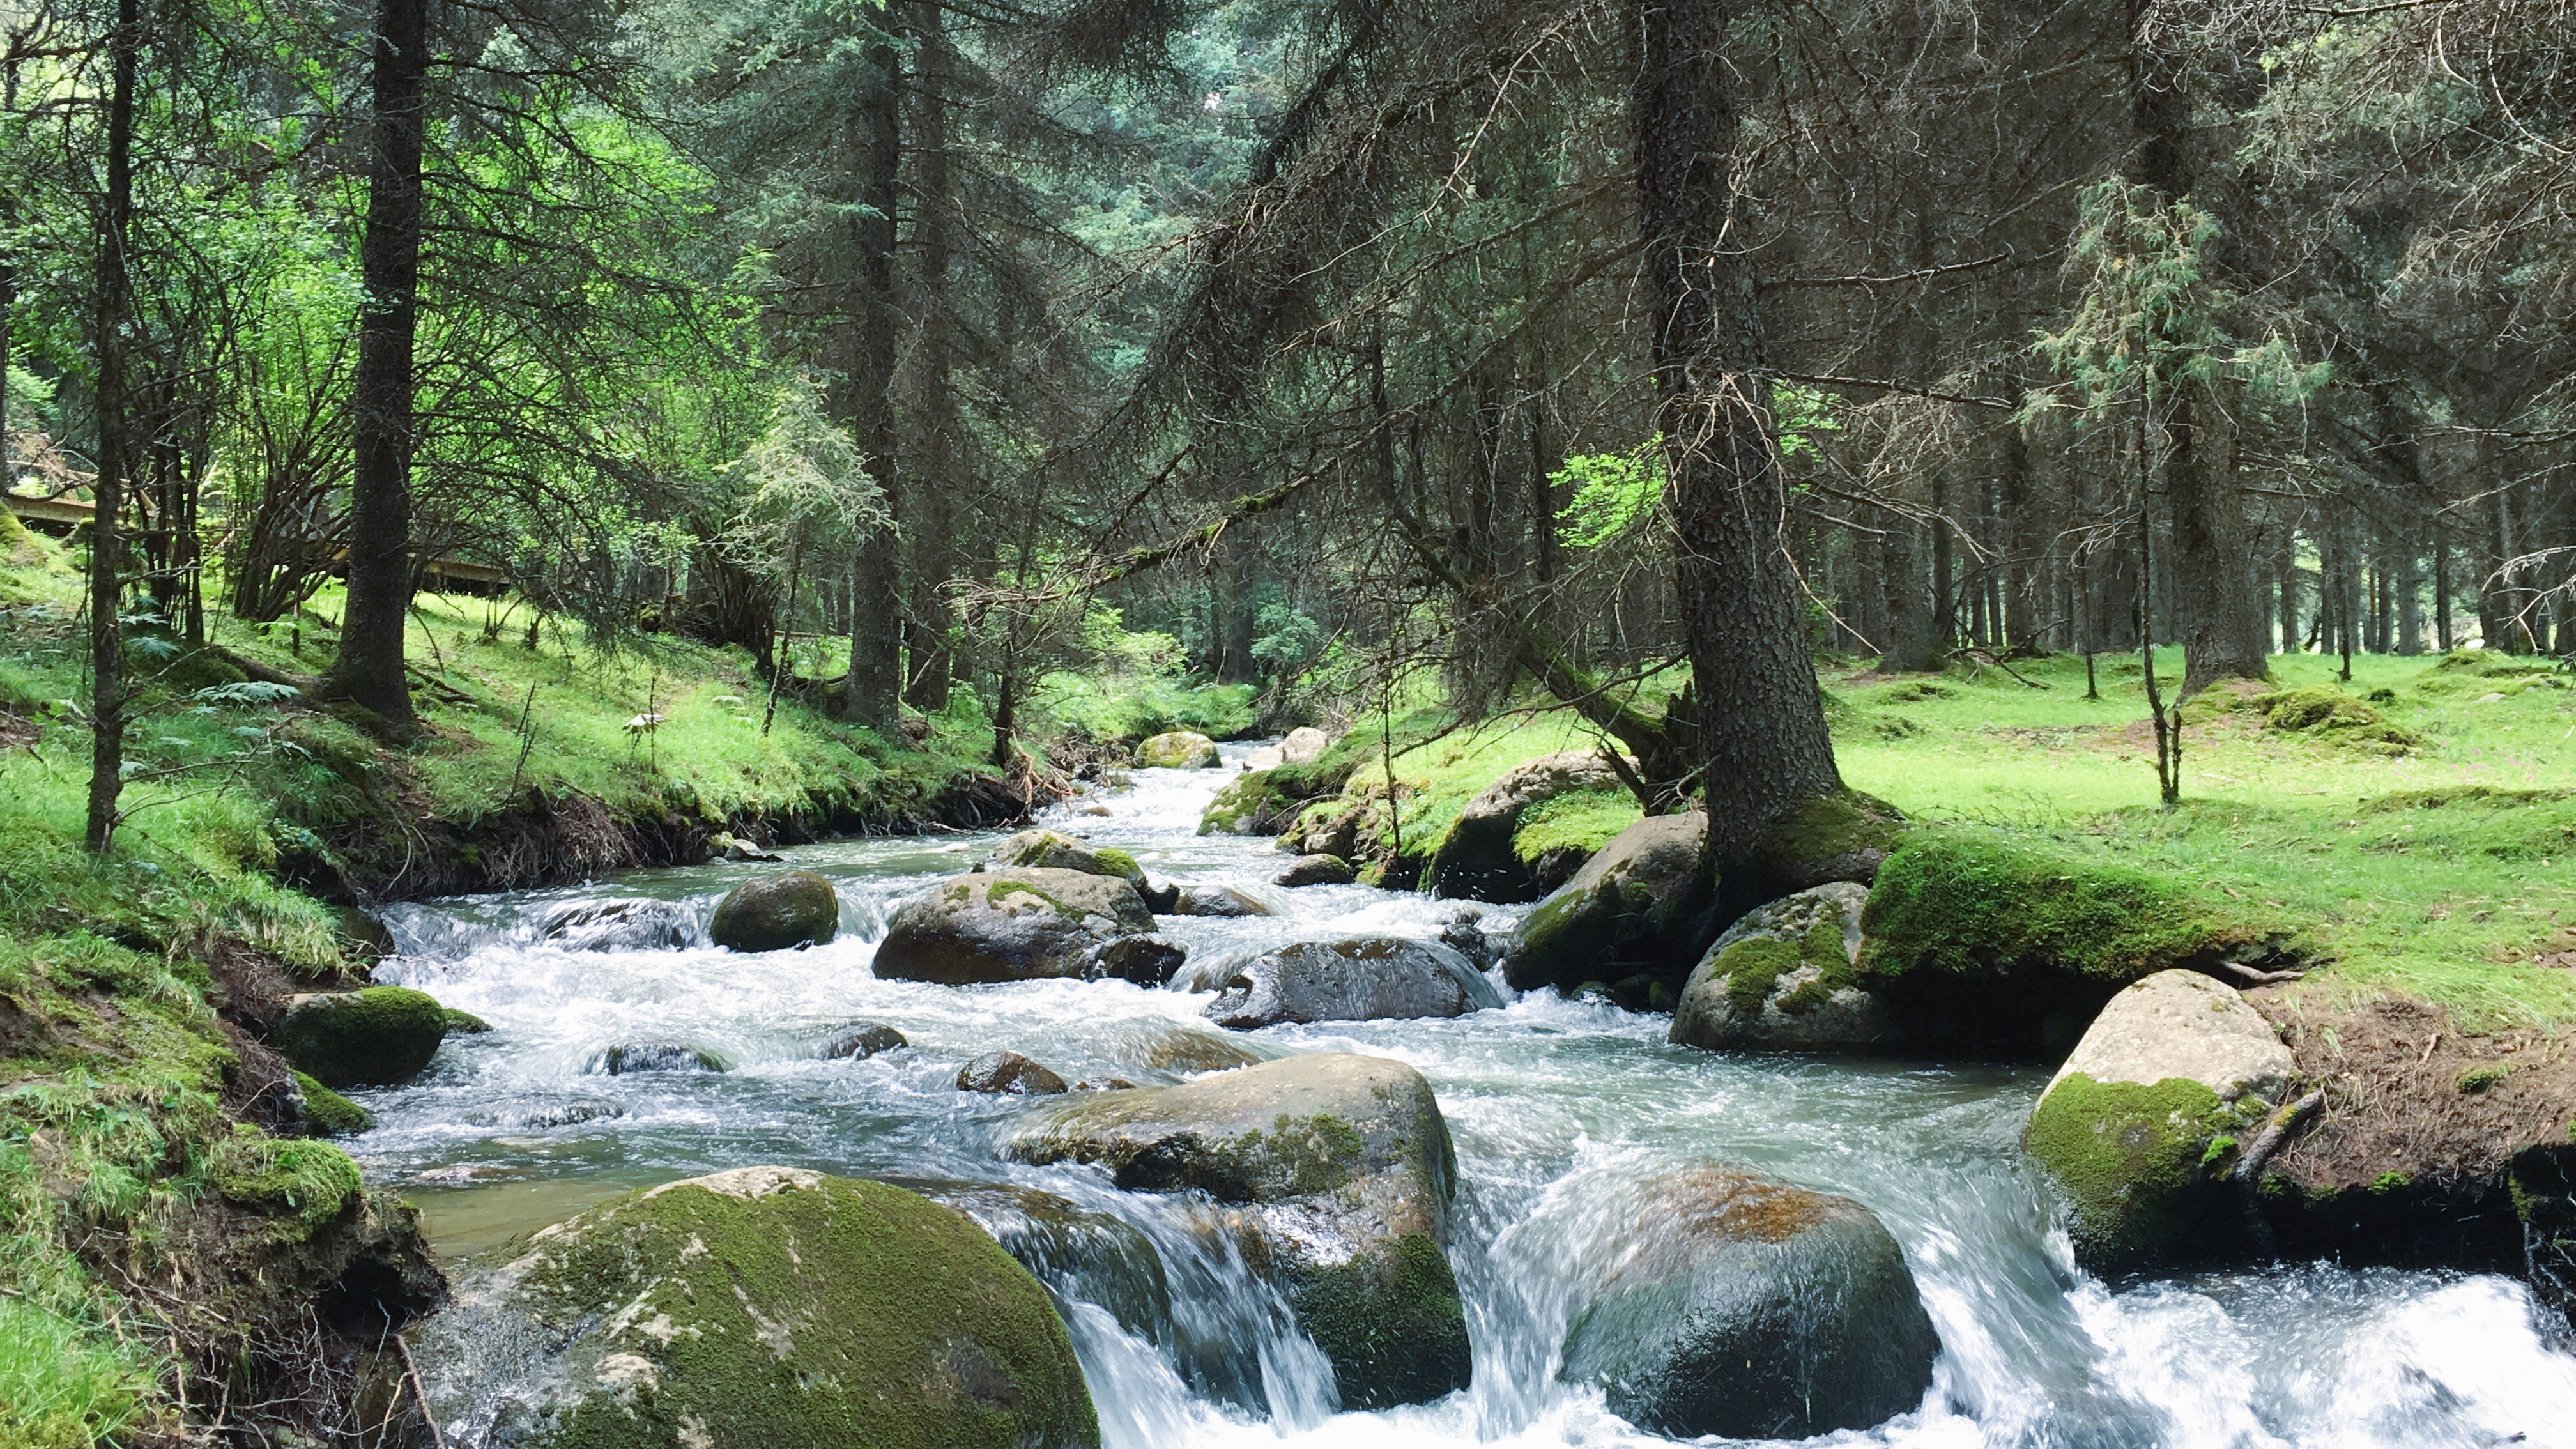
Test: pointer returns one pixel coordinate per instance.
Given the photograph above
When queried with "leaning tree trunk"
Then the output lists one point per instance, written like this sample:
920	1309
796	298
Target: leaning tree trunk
369	669
873	692
1764	748
107	537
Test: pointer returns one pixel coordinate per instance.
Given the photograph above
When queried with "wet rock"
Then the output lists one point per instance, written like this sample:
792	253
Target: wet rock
2139	1129
1463	931
1218	900
627	925
1639	993
1367	978
1646	902
1008	1074
375	1036
722	846
626	1058
1009	925
775	912
1142	960
465	1023
1178	750
1303	745
1095	808
860	1041
1310	870
1250	804
1185	1049
1054	850
1268	757
1341	1171
1787	976
1738	1306
1477	857
762	1306
1104	1084
1162	900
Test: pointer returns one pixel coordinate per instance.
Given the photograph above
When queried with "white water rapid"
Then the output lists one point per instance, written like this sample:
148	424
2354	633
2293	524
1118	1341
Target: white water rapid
1553	1104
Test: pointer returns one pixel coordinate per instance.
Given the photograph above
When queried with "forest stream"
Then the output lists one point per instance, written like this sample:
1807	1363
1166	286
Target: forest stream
1554	1104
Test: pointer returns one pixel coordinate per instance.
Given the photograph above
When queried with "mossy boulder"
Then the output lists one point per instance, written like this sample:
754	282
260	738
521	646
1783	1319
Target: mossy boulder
1643	904
2325	713
1985	942
372	1037
1477	857
327	1113
1219	900
1727	1303
859	1041
1318	869
776	912
1010	925
1341	1171
2142	1125
1786	976
631	1057
1055	850
1250	804
1365	978
1177	750
1303	745
761	1306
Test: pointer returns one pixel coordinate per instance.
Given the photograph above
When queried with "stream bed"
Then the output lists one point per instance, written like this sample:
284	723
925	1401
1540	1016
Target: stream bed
1554	1106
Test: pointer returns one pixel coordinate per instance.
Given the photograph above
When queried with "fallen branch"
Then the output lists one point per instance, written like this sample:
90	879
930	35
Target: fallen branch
2253	977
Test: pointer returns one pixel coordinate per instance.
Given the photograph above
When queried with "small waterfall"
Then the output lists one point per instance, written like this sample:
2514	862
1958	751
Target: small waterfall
1558	1109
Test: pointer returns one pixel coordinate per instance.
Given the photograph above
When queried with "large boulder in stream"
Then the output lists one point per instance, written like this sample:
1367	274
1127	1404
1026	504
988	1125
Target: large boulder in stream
1055	850
1304	745
1646	902
1480	858
1739	1306
1010	925
1364	978
1178	750
1786	977
761	1306
375	1036
2145	1124
775	912
1341	1172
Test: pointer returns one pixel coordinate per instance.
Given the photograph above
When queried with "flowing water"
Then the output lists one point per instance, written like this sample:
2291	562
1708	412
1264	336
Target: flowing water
1555	1105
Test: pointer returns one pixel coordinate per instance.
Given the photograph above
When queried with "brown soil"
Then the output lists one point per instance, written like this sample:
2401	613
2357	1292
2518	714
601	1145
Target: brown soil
2408	1093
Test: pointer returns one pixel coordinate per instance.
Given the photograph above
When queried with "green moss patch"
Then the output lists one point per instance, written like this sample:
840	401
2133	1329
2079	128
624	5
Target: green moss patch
328	1113
1391	1322
2132	1162
1966	903
307	1183
1582	820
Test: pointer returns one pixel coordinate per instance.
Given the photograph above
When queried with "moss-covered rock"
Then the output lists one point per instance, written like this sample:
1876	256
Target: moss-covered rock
307	1183
1177	750
1342	1169
2142	1124
1735	1305
375	1036
2325	713
776	912
1478	857
327	1113
1218	900
1786	976
1250	804
465	1023
1055	850
1364	978
762	1306
1317	869
1010	925
1009	1074
1978	940
1646	902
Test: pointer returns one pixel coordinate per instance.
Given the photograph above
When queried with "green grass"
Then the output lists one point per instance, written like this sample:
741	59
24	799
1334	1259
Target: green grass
63	1386
1122	709
2399	867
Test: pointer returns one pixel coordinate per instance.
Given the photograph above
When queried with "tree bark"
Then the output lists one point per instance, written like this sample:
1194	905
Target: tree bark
369	669
107	538
873	692
931	655
1761	714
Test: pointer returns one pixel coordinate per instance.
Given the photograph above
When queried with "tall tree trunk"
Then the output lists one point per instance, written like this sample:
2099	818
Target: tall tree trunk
927	630
369	669
107	537
1760	710
873	691
2211	594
